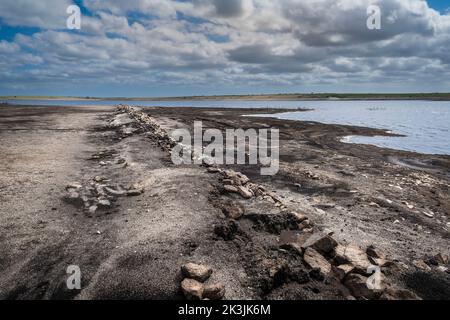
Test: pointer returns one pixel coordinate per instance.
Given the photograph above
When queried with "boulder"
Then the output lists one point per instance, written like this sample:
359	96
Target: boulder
192	289
343	270
321	242
196	271
375	252
352	254
316	261
357	284
215	291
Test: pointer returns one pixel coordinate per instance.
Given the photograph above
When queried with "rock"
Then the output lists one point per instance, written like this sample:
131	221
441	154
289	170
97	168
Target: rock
233	211
244	192
118	192
134	192
74	185
243	178
343	269
357	284
352	254
316	261
230	188
441	258
300	217
399	294
420	264
227	182
196	271
290	239
215	291
99	179
321	242
213	170
376	256
442	269
104	203
93	209
192	289
374	252
429	214
226	231
305	224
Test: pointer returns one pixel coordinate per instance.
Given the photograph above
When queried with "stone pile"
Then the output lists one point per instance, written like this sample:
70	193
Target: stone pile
195	285
98	194
150	125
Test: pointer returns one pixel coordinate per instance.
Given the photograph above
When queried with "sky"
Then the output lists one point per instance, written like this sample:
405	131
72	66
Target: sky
144	48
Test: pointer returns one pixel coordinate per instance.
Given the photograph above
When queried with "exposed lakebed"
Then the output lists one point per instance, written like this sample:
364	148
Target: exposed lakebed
422	126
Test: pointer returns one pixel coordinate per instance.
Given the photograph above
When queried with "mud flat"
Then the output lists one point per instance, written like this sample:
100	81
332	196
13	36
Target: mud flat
95	187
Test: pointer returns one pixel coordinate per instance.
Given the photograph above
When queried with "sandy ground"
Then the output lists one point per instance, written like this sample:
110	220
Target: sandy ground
134	248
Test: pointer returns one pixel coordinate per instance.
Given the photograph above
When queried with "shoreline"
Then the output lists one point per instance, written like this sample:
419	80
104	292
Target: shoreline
261	97
102	192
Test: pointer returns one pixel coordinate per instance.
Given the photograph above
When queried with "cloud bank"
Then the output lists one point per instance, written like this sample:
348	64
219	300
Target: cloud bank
160	47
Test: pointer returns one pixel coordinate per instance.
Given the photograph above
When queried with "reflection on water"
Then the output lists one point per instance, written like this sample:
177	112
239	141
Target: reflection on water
425	124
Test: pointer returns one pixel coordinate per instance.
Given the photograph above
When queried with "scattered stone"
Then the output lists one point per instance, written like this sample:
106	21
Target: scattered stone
93	209
290	239
74	185
230	188
441	258
192	289
104	203
344	269
376	256
215	291
304	225
99	179
213	170
442	269
233	211
196	271
244	192
321	242
134	192
316	261
118	192
300	217
357	284
429	214
420	264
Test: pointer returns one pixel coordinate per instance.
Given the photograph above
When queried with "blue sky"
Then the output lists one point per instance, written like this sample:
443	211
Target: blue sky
171	48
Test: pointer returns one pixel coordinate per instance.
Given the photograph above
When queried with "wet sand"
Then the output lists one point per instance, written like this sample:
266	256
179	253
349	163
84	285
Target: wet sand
134	247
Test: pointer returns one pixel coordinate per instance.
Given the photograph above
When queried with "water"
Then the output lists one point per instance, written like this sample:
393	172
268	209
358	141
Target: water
425	124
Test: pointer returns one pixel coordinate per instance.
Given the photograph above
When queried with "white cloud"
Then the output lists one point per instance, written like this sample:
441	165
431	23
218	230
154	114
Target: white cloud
28	13
235	43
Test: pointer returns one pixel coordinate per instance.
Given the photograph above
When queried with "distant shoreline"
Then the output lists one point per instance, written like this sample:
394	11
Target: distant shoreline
260	97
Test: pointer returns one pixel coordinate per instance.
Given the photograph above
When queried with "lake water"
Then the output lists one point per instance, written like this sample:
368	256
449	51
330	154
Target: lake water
425	124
